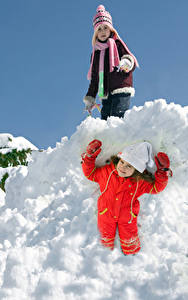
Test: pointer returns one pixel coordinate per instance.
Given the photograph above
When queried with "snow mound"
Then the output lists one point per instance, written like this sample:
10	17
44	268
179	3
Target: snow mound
7	143
49	245
10	142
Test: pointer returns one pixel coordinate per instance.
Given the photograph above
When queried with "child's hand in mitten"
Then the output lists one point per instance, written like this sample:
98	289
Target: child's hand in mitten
89	103
126	64
94	148
163	163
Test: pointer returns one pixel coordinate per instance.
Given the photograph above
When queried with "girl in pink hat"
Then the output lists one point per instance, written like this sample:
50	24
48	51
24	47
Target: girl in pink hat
121	183
111	68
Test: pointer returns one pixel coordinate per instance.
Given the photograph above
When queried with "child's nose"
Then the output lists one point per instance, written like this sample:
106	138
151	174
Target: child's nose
125	167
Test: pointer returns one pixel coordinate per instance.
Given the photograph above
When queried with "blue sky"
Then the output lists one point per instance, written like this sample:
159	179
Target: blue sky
45	47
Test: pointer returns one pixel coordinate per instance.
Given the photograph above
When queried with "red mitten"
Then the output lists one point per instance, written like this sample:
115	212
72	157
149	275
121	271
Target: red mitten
163	163
94	148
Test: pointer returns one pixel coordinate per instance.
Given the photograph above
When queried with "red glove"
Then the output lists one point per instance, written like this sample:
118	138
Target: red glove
163	163
94	148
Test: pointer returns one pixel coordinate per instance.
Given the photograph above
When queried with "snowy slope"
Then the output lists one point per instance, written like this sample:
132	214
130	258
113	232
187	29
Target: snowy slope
7	143
10	142
49	247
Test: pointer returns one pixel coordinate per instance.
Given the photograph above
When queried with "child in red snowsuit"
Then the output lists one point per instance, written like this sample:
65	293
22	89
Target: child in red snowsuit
121	183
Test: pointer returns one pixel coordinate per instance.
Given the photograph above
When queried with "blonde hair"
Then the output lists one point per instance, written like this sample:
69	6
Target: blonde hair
113	32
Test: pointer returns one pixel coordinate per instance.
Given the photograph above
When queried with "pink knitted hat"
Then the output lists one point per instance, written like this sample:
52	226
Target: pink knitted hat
102	17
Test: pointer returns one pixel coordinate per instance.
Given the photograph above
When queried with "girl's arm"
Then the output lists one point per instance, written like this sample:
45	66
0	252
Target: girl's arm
93	86
89	168
161	175
89	99
88	160
161	181
127	63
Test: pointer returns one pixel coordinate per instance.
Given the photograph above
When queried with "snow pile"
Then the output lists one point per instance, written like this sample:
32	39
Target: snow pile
9	142
49	245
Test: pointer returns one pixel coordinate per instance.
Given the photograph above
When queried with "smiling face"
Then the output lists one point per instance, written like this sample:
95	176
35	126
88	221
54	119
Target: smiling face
103	32
124	169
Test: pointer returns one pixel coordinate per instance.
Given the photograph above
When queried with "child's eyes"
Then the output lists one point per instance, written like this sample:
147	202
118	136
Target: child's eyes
127	166
104	28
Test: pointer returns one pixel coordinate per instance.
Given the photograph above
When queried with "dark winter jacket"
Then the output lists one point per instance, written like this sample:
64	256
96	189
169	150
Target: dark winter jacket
114	82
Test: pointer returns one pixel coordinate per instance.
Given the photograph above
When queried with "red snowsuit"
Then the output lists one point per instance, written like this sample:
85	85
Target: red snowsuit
118	205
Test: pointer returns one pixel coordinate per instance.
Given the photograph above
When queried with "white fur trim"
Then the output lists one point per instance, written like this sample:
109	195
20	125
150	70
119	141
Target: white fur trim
126	90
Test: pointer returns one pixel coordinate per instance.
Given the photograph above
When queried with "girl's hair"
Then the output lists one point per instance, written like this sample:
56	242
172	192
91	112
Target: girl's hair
147	176
113	33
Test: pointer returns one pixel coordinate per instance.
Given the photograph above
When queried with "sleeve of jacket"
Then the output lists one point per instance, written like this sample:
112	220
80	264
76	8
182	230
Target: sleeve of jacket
92	172
161	181
93	85
122	51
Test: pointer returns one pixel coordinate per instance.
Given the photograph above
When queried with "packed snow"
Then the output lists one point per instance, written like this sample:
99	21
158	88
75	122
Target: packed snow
9	142
49	242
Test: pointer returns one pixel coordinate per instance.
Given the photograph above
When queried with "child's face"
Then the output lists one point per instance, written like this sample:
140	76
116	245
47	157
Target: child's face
103	32
124	169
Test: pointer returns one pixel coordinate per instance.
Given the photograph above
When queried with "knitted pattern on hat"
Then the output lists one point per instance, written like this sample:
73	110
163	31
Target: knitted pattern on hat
102	17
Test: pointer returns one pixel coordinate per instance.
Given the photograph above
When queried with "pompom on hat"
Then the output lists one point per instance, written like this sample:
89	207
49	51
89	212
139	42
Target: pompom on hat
138	155
102	17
